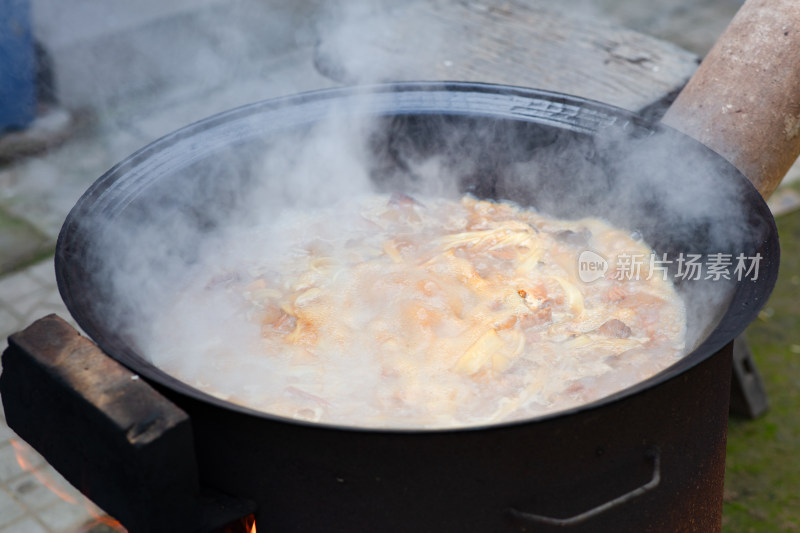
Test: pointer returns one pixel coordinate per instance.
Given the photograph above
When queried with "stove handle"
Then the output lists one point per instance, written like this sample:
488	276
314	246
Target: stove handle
652	455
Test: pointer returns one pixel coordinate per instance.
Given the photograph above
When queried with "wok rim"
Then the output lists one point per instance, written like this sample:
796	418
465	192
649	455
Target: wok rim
719	337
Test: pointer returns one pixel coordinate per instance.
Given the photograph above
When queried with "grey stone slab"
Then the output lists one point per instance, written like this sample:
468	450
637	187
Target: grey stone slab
691	24
6	433
9	465
43	487
44	271
28	305
32	492
63	517
9	324
10	510
688	23
17	286
26	525
45	309
52	302
27	296
44	189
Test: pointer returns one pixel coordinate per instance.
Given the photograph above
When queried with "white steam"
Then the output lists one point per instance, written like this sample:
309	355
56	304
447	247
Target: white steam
211	219
206	215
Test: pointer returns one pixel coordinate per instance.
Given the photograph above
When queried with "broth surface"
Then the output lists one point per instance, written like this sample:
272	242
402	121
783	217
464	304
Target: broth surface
390	311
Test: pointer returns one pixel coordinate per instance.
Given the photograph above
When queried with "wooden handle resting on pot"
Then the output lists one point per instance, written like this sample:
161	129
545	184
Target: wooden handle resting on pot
744	100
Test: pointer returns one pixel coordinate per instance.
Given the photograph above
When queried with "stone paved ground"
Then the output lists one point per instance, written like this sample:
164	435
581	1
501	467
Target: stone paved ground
40	190
691	24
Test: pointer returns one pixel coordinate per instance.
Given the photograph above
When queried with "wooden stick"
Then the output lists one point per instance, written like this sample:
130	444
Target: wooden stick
744	99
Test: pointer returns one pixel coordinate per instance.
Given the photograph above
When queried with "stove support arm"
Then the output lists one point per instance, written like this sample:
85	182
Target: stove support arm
744	100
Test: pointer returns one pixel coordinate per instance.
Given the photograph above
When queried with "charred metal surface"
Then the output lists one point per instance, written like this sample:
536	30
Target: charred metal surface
748	395
107	432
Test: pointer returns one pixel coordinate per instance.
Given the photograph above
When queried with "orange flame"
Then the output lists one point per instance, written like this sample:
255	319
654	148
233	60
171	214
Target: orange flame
243	525
26	463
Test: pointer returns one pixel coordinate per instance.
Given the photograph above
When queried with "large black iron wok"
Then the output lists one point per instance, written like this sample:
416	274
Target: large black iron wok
650	458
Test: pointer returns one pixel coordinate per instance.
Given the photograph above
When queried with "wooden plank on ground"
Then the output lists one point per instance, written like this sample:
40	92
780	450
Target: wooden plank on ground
517	42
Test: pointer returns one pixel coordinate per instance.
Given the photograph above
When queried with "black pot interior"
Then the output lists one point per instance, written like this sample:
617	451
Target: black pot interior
566	156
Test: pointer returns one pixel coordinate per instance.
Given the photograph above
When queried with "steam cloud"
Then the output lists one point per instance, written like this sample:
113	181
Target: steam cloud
206	216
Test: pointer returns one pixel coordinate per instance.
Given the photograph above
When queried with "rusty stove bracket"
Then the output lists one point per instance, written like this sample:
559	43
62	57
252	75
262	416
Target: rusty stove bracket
109	433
